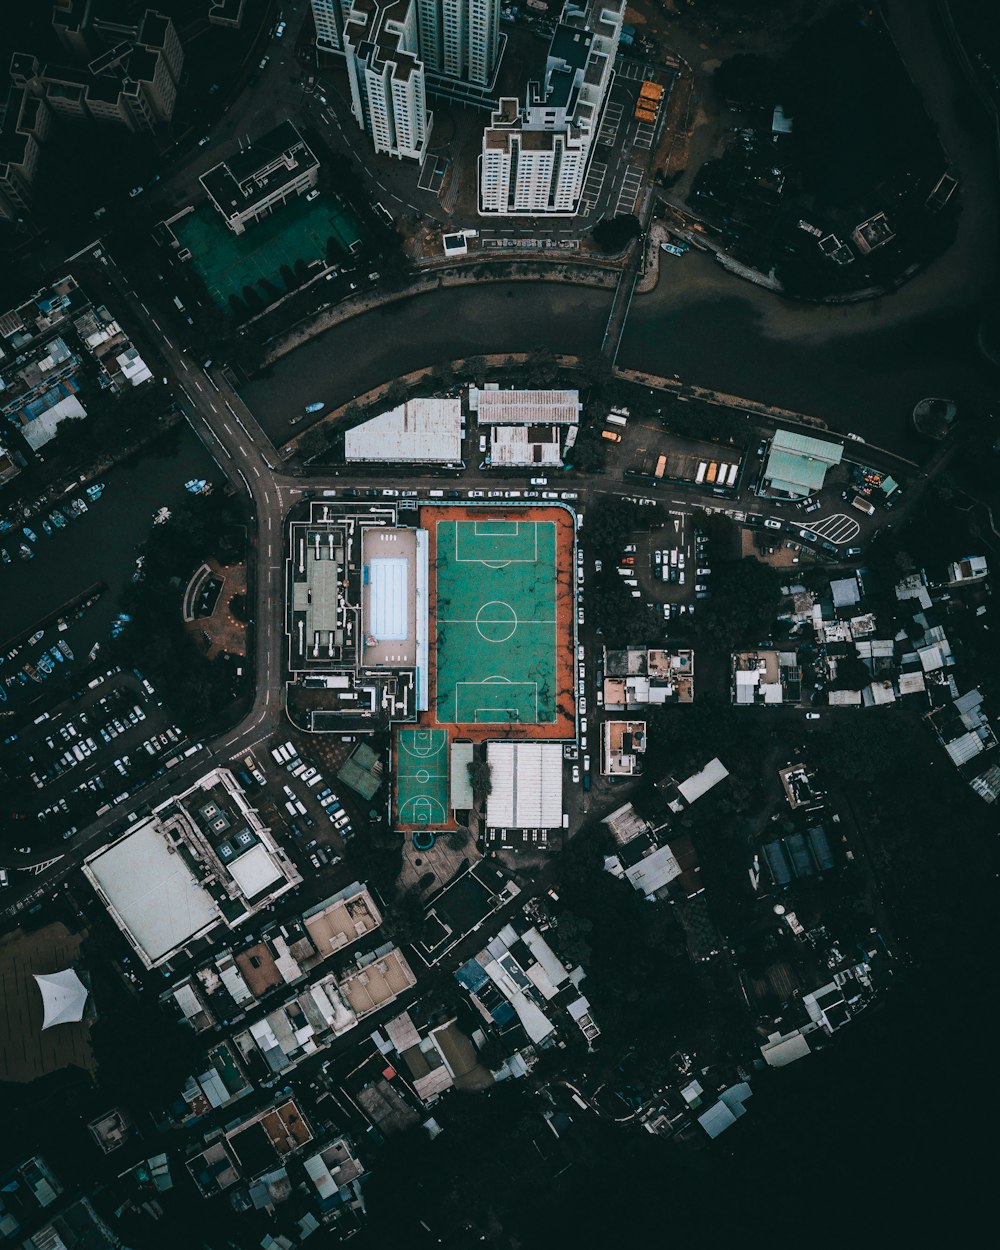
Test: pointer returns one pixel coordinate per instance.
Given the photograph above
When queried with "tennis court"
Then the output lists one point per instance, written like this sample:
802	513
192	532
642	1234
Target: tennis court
496	622
422	777
295	231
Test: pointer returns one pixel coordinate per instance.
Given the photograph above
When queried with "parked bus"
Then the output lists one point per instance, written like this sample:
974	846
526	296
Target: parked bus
661	464
699	477
734	470
713	469
614	418
862	505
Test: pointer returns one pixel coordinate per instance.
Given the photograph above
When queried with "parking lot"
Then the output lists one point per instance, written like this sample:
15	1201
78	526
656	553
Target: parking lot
628	191
92	753
293	780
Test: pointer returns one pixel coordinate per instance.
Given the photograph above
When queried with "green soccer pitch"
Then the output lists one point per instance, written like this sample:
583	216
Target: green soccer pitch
496	622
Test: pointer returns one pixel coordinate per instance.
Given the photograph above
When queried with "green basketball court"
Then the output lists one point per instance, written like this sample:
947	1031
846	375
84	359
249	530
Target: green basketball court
496	622
422	776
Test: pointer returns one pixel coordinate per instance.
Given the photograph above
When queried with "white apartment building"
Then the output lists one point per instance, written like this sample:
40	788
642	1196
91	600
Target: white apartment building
459	39
534	161
455	39
330	18
388	87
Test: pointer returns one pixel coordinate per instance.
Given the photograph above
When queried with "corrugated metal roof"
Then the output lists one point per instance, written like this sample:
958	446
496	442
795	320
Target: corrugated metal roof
805	445
421	431
965	748
700	783
461	782
527	785
529	407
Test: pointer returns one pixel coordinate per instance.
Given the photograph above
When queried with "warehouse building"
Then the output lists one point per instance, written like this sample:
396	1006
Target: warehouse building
421	431
525	803
797	465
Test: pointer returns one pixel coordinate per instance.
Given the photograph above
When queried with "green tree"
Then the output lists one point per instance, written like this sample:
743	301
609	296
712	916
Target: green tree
612	235
745	598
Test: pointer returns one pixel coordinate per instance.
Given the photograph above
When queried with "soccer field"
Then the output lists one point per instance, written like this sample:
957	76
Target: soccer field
496	622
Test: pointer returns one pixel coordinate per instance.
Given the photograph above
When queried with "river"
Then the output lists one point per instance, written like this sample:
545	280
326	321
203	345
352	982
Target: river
422	331
99	547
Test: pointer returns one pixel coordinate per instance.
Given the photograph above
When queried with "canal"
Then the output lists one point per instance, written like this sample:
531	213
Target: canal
420	332
98	548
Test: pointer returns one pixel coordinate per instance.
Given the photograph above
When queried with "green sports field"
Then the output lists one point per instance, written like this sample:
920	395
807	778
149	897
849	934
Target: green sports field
496	622
422	776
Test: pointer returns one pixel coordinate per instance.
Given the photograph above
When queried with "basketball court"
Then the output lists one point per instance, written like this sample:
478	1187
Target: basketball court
496	644
422	777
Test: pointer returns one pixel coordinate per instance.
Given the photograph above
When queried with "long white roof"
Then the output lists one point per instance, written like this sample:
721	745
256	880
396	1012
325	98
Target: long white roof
421	431
529	407
527	785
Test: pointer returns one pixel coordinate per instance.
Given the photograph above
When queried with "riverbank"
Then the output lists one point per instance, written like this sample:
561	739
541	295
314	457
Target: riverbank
572	273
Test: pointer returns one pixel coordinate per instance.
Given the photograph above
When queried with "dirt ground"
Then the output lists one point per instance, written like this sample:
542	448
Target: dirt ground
225	631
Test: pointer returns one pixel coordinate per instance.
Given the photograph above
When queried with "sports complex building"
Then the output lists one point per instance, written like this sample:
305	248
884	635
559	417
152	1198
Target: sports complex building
453	625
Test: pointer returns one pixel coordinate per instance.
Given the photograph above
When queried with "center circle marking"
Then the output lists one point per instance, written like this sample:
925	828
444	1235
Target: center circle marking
496	621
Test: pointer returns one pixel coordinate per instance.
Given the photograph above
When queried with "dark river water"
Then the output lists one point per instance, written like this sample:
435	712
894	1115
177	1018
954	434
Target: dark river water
423	331
97	548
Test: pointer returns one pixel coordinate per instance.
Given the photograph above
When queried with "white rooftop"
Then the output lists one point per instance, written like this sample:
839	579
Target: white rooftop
64	996
152	891
254	871
421	431
529	407
700	783
527	785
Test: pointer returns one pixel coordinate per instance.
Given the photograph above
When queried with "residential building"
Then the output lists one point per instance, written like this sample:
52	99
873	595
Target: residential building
968	569
460	39
518	979
682	794
226	13
635	678
386	75
535	159
277	167
27	121
623	744
330	17
131	82
457	41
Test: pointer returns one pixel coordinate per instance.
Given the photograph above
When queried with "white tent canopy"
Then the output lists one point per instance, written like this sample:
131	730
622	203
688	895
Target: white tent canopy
64	996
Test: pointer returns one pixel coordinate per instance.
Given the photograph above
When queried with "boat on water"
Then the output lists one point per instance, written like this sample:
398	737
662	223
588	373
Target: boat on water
161	516
198	486
47	528
57	519
37	636
25	552
57	655
45	665
4	555
95	491
317	407
29	670
30	534
80	506
92	653
66	649
3	694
